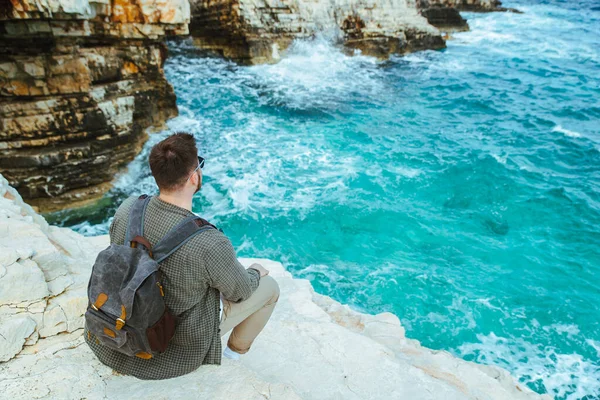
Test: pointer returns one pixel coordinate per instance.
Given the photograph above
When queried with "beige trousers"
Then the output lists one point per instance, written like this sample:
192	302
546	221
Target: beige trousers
249	317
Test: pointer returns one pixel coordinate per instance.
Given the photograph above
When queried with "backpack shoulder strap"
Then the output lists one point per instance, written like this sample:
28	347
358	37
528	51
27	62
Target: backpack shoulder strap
179	235
135	221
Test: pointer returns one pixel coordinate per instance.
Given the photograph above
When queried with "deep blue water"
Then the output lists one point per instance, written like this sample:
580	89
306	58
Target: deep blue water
458	189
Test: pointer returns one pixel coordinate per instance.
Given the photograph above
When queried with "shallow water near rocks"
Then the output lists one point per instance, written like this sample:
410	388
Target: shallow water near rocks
458	189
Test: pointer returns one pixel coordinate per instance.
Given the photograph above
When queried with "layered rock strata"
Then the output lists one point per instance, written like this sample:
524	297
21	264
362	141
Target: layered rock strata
80	81
257	31
312	348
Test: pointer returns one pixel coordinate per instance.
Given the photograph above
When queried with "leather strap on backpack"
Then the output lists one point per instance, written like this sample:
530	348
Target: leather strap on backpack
173	240
144	242
135	222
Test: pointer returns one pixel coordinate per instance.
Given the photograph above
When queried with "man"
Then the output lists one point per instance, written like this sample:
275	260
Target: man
201	279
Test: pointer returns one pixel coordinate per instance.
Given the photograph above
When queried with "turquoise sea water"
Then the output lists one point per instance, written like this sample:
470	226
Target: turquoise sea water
458	189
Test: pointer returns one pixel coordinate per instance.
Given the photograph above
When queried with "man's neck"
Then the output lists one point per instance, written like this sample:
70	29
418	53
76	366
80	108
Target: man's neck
177	199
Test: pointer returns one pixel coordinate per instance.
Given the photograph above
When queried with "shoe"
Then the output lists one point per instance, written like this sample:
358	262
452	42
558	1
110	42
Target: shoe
231	354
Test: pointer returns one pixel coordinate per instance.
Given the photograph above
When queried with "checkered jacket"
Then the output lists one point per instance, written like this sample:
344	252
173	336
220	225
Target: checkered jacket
192	278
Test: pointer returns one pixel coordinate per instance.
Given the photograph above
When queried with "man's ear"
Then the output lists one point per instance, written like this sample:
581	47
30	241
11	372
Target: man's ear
194	179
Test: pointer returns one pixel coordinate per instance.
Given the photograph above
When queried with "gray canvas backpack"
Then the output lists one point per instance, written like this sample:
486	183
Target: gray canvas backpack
126	310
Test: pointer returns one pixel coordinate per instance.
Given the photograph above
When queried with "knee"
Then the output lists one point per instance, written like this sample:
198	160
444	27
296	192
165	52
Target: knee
272	287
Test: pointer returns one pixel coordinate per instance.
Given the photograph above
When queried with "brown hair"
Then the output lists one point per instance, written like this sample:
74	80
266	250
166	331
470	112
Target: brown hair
173	160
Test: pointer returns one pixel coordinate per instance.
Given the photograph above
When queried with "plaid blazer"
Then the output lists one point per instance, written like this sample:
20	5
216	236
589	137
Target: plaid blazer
193	278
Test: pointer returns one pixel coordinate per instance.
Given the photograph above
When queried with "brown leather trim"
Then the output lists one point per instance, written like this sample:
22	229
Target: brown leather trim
100	300
202	222
144	355
110	333
144	242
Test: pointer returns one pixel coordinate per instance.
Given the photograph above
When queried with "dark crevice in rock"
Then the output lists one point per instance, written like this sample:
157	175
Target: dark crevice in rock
445	14
445	18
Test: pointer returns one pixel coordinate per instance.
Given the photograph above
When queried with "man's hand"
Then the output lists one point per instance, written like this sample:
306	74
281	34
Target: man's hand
262	270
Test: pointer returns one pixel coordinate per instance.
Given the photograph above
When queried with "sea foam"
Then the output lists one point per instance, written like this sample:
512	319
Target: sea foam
565	376
566	132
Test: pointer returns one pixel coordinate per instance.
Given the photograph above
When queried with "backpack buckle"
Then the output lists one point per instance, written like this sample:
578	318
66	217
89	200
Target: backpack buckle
121	320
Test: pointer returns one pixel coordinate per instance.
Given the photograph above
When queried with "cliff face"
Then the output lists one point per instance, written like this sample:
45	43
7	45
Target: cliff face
256	31
312	348
80	81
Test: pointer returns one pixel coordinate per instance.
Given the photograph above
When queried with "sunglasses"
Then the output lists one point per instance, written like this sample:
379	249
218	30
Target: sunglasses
200	165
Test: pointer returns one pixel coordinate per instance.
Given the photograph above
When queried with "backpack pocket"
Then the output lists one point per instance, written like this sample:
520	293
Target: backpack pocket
161	332
103	327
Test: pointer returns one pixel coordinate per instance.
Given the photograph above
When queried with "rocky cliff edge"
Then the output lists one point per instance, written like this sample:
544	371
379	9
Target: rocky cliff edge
80	81
258	31
312	348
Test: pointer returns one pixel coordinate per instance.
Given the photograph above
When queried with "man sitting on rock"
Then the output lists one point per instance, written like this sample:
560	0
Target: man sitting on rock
205	287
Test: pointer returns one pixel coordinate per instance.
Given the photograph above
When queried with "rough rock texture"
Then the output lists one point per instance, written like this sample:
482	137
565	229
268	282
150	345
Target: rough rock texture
43	273
445	19
313	347
256	31
464	5
80	81
445	15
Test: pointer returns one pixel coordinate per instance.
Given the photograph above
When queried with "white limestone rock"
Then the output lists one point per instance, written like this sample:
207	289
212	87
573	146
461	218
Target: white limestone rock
14	331
43	274
54	321
22	281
